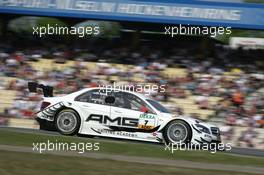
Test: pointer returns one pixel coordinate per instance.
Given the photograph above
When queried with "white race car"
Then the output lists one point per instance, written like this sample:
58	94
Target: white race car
119	114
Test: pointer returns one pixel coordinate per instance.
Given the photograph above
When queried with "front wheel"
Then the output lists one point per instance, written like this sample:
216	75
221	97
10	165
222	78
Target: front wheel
67	122
178	132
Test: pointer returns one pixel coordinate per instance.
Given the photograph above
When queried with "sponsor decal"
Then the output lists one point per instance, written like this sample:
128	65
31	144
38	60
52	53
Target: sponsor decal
120	121
117	133
147	116
147	121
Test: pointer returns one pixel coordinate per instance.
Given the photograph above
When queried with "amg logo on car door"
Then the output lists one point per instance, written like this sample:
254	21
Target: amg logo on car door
122	121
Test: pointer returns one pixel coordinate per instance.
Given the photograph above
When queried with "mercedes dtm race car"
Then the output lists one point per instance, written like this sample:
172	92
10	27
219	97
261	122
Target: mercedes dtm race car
119	114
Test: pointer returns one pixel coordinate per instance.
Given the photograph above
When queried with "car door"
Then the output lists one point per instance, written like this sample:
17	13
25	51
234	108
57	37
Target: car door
127	110
93	105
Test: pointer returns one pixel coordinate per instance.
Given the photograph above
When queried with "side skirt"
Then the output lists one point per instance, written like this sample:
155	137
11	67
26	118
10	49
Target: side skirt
104	131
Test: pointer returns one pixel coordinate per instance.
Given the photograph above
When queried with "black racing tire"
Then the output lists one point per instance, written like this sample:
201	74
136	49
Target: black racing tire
177	131
67	122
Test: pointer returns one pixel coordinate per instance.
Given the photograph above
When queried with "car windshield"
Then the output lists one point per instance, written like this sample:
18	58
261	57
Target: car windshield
158	106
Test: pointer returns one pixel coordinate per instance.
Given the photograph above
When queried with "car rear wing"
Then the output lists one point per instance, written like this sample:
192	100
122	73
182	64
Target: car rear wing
47	90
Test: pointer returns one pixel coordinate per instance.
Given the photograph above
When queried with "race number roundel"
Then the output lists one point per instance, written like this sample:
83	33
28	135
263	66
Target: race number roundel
146	121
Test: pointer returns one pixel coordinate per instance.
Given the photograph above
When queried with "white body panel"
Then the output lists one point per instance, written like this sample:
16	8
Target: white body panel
110	121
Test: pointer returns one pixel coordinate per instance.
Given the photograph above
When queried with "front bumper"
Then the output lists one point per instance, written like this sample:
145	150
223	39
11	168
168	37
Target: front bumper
212	136
216	135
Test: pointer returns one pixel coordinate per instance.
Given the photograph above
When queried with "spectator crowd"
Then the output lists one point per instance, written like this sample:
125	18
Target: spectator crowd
235	76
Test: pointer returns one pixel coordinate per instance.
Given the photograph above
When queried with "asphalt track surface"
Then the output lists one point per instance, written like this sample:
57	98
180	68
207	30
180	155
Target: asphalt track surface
143	160
234	150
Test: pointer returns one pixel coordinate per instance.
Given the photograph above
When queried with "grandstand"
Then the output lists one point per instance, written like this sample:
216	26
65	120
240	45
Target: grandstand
193	88
202	74
188	104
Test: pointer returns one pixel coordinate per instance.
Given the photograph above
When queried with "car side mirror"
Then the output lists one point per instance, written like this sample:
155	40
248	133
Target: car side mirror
144	109
109	99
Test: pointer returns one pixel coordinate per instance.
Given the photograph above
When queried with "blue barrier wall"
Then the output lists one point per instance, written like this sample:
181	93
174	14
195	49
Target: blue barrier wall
235	15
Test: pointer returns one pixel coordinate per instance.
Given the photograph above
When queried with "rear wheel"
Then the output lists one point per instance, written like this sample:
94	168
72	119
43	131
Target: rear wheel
178	132
67	122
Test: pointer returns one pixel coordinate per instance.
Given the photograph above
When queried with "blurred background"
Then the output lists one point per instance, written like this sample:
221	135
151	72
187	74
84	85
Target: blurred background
218	80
